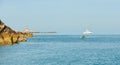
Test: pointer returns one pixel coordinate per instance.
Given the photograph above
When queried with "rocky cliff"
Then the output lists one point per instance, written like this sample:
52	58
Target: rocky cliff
8	36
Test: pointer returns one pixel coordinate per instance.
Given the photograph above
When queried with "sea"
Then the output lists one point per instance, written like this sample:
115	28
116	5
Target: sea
63	50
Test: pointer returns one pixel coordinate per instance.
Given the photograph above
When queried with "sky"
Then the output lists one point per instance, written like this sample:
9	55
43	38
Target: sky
62	16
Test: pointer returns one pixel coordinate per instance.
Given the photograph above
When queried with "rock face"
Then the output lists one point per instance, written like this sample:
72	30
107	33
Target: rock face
9	36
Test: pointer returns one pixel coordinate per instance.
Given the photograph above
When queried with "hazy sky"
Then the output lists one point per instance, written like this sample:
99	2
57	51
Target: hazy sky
62	16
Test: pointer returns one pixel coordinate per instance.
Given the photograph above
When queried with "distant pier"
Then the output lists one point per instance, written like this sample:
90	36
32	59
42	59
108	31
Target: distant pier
27	30
44	32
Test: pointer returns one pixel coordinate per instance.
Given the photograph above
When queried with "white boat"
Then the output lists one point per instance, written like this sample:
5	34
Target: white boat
87	32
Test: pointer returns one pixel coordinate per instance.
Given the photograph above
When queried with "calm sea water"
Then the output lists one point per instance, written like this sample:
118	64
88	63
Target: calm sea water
63	50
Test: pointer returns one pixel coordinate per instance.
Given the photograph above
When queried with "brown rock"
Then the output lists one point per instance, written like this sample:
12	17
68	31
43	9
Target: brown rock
1	40
7	38
15	38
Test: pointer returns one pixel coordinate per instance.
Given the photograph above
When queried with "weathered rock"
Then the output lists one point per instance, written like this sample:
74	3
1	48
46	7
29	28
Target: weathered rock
15	38
28	35
1	25
9	36
22	37
1	40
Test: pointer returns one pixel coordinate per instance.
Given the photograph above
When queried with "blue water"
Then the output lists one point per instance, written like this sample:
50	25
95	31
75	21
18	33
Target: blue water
63	50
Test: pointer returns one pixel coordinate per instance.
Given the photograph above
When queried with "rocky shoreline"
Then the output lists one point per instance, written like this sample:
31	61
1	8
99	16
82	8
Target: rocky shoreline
8	36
